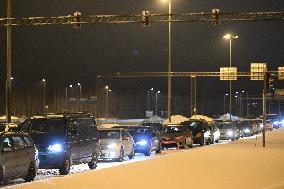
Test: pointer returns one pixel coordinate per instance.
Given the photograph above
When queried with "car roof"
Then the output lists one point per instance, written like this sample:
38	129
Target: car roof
13	134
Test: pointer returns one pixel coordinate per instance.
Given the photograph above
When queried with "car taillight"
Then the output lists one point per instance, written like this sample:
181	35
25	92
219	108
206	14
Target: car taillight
179	138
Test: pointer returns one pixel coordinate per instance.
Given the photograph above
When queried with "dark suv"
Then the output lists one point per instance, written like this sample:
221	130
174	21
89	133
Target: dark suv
18	157
201	131
64	140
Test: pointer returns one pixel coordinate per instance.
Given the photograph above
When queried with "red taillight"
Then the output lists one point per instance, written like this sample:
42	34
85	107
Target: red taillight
179	138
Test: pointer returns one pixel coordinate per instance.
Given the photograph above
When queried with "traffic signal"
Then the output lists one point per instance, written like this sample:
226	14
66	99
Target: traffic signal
77	19
145	18
269	80
215	16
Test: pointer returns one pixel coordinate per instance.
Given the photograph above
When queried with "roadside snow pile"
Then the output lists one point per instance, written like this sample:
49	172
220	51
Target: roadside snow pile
238	165
175	119
206	118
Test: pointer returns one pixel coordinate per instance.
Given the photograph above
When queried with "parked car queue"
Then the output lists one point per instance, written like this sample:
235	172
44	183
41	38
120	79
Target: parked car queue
60	141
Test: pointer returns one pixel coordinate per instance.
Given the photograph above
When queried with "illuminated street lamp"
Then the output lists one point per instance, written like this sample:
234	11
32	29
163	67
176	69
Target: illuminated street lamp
230	37
79	97
158	92
66	97
148	99
44	89
225	102
107	91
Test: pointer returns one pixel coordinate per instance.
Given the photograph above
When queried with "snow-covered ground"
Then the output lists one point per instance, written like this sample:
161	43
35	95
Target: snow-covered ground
240	164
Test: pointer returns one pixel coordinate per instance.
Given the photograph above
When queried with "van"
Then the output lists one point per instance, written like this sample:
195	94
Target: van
64	140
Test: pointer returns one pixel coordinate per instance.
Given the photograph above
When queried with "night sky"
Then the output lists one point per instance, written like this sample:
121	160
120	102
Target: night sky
64	55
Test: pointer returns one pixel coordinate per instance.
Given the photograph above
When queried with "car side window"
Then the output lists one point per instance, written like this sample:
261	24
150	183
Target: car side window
29	141
19	143
26	126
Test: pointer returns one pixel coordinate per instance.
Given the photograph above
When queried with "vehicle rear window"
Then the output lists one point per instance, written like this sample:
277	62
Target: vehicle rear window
109	134
51	126
173	130
224	126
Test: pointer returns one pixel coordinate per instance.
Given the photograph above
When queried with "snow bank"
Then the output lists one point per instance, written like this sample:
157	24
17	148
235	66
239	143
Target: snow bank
175	119
238	165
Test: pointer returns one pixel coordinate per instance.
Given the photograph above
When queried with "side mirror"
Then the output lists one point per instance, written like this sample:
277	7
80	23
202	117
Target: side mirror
8	149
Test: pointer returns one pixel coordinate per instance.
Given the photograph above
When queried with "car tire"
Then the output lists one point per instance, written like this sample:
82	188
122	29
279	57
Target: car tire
31	173
121	155
65	169
158	151
212	140
132	154
94	162
217	141
148	151
191	144
185	145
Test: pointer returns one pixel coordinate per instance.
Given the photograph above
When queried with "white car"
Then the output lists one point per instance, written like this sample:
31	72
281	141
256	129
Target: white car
115	144
268	126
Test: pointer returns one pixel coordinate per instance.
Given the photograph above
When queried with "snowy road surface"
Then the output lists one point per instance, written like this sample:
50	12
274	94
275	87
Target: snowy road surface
239	164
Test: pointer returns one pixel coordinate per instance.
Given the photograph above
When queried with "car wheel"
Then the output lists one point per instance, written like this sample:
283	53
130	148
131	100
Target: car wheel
31	173
191	143
132	154
64	170
217	141
212	140
148	151
159	149
121	155
185	145
93	163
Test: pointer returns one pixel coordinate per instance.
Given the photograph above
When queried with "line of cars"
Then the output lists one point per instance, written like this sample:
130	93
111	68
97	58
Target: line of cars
60	141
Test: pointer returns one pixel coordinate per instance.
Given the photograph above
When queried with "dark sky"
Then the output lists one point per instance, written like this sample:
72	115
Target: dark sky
63	54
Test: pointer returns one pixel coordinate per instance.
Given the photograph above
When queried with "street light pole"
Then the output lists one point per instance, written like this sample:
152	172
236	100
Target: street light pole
44	89
79	97
230	37
66	97
148	102
157	101
170	63
107	89
9	62
225	103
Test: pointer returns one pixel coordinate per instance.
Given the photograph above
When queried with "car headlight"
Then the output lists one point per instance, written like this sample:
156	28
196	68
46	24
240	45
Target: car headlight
261	125
230	133
142	142
111	146
247	130
55	148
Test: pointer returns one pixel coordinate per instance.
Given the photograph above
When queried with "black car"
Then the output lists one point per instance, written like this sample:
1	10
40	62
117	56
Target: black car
201	131
64	140
146	139
18	157
176	136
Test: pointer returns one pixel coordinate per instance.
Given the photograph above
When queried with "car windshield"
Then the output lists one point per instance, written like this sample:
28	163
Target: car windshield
193	124
139	131
224	125
173	130
104	134
50	126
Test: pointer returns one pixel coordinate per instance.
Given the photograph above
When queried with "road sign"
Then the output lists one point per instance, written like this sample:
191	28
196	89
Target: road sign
228	73
281	73
257	71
